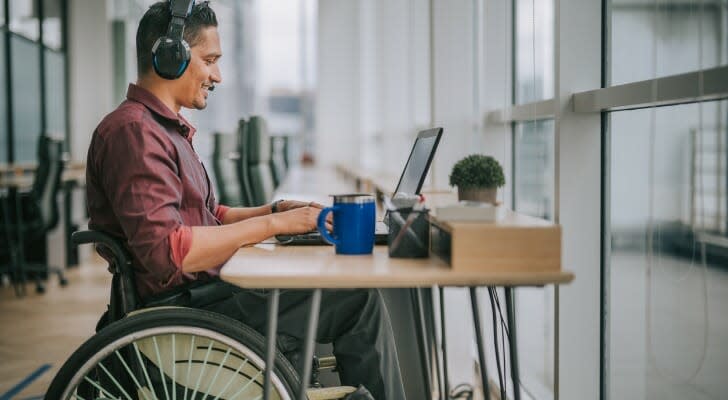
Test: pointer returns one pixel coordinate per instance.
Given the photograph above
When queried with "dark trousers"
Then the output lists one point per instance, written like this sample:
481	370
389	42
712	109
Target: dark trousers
356	321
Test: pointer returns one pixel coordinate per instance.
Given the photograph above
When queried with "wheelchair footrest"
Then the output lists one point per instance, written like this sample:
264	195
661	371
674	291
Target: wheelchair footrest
330	393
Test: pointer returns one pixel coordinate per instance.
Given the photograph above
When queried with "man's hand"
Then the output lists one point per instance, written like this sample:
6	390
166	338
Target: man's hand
287	205
299	219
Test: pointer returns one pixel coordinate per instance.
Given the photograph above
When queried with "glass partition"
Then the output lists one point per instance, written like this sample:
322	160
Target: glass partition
23	18
654	39
52	22
534	50
26	101
3	102
534	173
55	90
668	335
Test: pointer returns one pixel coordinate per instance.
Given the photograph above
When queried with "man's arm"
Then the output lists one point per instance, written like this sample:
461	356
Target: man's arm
213	245
236	214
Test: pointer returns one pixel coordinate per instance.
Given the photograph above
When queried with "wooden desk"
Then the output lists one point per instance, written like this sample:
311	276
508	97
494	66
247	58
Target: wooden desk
285	267
277	267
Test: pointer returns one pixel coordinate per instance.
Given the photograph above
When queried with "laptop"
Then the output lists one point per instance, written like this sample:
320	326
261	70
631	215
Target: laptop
410	182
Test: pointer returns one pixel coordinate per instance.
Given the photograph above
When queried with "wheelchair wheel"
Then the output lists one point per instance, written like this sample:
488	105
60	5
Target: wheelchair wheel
172	353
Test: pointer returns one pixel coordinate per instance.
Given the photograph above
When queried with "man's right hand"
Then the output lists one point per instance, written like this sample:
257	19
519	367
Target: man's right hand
298	220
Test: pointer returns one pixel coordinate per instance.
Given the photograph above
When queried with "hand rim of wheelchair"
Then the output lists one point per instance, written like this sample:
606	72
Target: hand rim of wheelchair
119	338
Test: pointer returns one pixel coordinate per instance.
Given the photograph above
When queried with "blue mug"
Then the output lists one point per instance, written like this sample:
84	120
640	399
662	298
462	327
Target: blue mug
354	220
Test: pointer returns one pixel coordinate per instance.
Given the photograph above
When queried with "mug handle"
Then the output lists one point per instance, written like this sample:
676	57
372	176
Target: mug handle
321	225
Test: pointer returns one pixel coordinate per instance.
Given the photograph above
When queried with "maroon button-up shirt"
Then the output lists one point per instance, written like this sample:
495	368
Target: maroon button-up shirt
146	185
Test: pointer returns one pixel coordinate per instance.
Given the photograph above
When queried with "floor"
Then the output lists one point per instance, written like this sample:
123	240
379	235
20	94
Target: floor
39	332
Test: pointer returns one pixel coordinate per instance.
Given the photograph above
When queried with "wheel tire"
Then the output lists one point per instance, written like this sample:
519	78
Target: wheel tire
65	382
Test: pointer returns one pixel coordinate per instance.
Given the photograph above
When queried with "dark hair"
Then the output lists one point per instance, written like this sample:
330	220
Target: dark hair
154	25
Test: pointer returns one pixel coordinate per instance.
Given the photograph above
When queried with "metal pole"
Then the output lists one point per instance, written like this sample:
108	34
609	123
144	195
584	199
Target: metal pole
313	317
432	339
479	342
421	341
270	354
446	383
512	343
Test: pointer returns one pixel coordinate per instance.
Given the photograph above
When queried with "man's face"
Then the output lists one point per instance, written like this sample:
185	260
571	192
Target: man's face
193	87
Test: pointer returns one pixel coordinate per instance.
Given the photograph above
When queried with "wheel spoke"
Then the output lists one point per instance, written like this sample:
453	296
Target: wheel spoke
97	386
160	367
131	374
232	379
174	370
189	365
247	384
114	380
144	368
204	367
219	368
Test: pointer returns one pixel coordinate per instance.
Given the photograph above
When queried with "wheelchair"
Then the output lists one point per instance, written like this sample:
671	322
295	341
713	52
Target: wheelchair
156	351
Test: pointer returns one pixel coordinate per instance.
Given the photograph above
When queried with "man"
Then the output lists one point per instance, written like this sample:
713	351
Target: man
146	185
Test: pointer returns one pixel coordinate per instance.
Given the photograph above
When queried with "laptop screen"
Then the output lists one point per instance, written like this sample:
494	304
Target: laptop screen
419	161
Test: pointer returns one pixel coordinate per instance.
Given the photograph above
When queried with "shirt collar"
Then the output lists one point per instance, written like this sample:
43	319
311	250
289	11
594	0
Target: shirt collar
149	100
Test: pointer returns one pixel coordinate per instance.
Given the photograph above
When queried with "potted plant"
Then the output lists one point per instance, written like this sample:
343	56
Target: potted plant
478	178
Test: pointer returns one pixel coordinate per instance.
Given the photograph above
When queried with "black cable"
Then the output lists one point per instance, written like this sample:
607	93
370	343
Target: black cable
495	343
504	332
500	312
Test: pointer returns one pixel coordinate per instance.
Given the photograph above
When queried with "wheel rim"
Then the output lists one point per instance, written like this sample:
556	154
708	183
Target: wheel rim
174	362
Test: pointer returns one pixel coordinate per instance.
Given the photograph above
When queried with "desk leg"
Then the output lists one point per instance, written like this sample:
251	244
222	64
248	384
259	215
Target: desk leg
420	329
432	344
446	383
270	356
479	342
13	269
313	317
20	259
512	343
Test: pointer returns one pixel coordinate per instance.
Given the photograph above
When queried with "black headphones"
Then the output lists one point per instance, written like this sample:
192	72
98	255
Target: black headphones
170	53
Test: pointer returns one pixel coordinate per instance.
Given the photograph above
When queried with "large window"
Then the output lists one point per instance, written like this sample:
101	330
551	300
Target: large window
660	38
533	177
26	100
668	335
534	173
534	69
668	232
22	18
34	82
3	100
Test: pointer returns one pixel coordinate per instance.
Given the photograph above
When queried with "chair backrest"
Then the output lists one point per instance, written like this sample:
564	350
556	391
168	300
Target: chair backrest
277	161
124	296
224	158
47	180
242	163
258	153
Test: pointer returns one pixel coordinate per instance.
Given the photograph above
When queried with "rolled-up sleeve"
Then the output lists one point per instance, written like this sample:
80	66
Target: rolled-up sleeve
147	192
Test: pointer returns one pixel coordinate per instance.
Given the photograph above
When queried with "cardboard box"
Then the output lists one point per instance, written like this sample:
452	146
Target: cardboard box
517	242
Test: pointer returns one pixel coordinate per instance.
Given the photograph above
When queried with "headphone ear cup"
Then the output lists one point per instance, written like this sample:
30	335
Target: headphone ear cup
170	57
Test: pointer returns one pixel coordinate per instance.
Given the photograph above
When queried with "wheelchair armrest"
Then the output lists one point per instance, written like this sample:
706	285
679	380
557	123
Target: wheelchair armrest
112	244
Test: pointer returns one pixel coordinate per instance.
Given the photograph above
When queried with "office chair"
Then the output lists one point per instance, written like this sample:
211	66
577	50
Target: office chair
225	156
241	163
258	152
39	214
277	159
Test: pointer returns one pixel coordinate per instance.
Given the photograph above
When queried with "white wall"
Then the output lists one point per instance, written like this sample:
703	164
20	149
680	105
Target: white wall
90	70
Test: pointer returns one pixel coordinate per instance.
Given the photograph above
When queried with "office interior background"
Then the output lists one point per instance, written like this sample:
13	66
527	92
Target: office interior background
609	117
